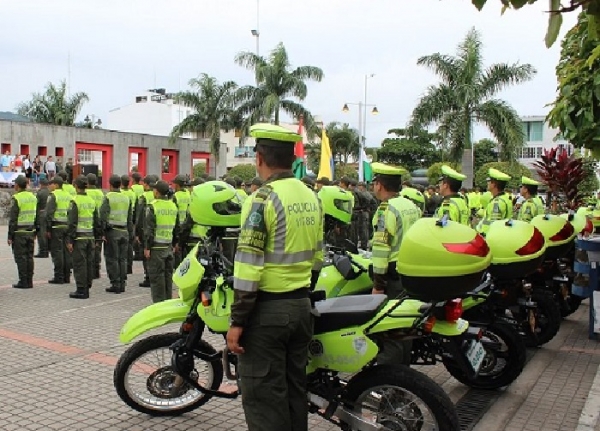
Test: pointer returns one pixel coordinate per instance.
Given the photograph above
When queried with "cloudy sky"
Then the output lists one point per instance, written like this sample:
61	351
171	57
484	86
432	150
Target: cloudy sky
119	48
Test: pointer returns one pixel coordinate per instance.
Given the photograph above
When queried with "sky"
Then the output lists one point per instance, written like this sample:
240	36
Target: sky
115	49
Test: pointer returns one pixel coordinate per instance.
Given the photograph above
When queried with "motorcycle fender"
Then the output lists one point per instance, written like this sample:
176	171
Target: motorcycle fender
450	329
153	316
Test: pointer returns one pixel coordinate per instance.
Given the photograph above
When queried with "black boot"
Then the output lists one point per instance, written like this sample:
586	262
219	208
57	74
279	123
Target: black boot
21	285
30	282
41	255
129	270
145	283
56	281
97	274
114	288
80	294
122	287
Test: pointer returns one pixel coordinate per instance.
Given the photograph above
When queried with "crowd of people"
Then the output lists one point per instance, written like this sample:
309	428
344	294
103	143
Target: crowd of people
35	169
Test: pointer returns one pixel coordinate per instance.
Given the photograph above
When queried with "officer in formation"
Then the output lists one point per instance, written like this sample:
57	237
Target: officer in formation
133	201
83	230
42	198
143	201
415	196
533	205
98	197
161	236
22	229
67	186
138	189
116	225
394	216
500	207
453	205
182	199
56	230
271	321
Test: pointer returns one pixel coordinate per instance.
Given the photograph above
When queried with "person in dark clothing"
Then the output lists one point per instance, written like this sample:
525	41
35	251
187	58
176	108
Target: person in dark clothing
42	199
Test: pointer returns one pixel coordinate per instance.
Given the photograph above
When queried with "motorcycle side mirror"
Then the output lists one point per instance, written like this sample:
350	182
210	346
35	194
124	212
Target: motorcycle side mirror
350	246
343	266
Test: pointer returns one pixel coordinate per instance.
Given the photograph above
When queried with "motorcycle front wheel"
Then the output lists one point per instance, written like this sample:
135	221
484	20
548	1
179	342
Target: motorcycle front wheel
505	356
399	398
146	382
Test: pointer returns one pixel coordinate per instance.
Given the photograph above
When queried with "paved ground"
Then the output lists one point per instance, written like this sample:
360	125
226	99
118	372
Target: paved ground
58	355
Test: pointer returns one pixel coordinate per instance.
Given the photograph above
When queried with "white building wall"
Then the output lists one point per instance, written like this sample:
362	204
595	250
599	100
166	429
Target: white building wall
536	144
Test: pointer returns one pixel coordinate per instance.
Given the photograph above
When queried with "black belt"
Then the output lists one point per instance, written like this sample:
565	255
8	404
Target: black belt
301	293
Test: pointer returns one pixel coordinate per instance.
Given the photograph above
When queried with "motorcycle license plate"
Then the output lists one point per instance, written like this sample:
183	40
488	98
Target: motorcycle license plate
476	355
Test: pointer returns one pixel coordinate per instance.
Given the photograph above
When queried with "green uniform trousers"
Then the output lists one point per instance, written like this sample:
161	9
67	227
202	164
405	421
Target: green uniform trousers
160	273
273	368
97	259
42	239
61	258
83	263
394	351
115	255
364	235
131	237
22	247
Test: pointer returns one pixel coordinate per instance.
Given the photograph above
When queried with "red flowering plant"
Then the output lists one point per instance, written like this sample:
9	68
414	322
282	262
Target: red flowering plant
562	174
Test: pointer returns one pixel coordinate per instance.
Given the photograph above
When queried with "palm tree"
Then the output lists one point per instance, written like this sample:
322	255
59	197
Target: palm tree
465	96
344	141
54	106
276	85
214	110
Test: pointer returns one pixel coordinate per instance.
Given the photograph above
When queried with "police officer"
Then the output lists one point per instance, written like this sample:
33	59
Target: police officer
498	208
453	205
415	196
394	216
115	222
67	186
257	183
239	186
351	231
161	234
98	196
273	275
138	189
181	199
82	231
22	227
56	230
531	207
133	200
143	201
42	199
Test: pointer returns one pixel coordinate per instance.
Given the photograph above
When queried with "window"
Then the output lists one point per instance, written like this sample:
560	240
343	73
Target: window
533	130
539	151
85	156
244	152
531	153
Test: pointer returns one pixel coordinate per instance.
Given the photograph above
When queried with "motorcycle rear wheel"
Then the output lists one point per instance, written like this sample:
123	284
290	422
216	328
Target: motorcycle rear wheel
513	353
547	320
411	384
162	376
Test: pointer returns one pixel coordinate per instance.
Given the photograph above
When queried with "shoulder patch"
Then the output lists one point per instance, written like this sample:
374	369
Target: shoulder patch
263	192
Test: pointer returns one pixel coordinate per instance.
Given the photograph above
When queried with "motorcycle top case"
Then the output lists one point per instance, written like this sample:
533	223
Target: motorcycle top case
517	249
441	259
188	275
559	234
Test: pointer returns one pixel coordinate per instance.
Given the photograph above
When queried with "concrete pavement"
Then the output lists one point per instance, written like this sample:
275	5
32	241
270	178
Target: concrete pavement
58	355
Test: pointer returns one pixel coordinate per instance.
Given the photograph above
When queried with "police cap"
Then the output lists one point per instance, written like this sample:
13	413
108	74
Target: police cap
324	181
496	175
81	182
180	180
161	187
57	180
21	181
526	181
448	172
44	182
114	181
125	180
136	176
63	175
381	169
271	135
197	181
150	180
308	181
256	181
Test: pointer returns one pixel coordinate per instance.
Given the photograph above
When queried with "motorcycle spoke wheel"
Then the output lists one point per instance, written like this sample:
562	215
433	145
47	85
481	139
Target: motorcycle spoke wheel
145	380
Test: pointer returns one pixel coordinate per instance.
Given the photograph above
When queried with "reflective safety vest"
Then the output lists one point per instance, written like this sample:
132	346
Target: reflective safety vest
131	195
540	204
165	213
474	200
148	196
27	203
97	195
138	189
183	198
497	209
119	208
242	194
509	203
63	200
281	239
456	208
390	222
198	231
85	214
485	199
70	189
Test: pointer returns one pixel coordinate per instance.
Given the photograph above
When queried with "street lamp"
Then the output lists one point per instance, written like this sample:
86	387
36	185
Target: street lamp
256	31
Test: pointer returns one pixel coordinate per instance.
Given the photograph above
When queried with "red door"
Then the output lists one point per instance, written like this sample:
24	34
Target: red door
200	157
138	156
170	164
106	169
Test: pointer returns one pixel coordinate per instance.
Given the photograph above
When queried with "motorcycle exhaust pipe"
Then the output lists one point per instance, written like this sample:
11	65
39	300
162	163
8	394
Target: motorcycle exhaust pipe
355	422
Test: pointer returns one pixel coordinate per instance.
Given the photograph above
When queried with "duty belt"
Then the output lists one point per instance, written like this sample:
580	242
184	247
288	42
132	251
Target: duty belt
301	293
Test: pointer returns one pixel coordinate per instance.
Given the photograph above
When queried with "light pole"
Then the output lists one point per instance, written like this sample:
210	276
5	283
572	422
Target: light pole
256	31
362	123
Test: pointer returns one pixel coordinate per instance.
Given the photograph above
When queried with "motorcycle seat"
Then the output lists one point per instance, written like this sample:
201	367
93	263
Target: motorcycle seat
346	311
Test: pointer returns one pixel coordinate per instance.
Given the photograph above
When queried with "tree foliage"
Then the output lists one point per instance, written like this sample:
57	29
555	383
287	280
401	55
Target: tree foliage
435	171
466	95
485	152
590	184
245	171
343	141
54	106
515	170
346	171
576	110
412	150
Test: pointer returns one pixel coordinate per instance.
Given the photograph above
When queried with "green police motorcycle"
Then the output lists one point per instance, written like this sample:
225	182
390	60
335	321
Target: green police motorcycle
345	343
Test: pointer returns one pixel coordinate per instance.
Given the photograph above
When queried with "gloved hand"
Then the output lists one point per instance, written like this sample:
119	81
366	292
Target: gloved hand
380	282
314	277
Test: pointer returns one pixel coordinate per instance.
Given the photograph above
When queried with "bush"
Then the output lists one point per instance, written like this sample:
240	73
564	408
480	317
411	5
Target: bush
245	171
590	183
435	171
345	171
514	169
199	169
